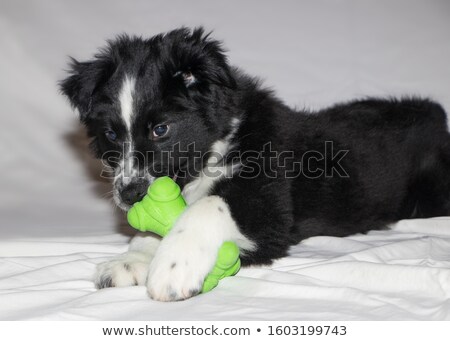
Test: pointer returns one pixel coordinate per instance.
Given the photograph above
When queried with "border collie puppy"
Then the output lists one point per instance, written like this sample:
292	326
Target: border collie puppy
252	170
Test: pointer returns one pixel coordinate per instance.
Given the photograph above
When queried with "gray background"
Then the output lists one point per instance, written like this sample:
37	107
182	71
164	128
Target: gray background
313	53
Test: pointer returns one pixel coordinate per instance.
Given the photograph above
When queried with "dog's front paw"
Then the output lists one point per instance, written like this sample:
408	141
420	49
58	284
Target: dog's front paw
128	269
189	252
175	275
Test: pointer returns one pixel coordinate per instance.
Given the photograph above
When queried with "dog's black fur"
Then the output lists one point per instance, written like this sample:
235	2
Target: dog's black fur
397	164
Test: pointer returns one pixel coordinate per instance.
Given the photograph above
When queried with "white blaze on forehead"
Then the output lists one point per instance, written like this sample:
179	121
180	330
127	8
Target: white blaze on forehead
126	100
128	169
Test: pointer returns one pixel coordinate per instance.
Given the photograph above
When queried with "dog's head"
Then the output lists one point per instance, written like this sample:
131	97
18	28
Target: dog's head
143	98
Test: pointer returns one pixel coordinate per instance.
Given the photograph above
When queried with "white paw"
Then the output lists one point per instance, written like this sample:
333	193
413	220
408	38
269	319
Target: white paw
188	253
178	271
128	269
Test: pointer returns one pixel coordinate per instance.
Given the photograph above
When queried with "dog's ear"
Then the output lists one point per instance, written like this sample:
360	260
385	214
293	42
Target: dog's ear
84	79
198	58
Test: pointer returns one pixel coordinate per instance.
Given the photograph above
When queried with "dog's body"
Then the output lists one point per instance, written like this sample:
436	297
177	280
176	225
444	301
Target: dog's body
273	176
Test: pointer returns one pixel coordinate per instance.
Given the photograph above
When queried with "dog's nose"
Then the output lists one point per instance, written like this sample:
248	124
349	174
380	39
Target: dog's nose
134	192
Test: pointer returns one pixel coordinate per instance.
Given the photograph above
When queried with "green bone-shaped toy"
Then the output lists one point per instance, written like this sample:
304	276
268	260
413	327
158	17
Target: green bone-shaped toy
159	210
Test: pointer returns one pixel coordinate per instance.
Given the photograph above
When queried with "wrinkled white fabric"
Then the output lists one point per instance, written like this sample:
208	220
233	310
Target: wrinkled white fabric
56	217
399	274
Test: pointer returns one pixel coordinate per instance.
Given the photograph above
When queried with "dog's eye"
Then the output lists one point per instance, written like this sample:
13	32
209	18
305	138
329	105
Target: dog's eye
111	135
160	130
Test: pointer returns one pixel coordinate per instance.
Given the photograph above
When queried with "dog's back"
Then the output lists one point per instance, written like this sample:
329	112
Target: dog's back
396	165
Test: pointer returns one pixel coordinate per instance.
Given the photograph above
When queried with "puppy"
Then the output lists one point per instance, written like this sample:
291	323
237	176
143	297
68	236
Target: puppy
252	170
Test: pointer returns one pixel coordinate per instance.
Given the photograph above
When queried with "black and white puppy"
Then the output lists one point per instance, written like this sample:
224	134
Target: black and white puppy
253	170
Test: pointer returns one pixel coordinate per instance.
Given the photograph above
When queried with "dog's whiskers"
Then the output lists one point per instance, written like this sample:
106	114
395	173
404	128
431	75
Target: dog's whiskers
108	194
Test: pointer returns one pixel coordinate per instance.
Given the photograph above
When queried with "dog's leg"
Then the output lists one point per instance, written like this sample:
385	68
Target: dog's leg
189	251
130	268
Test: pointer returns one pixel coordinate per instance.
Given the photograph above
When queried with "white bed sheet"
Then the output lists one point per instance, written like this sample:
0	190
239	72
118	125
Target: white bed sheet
385	275
56	224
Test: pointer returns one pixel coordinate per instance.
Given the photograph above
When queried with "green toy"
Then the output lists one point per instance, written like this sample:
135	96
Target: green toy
159	210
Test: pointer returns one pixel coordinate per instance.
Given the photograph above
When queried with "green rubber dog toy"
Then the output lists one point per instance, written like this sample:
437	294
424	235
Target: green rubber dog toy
159	210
